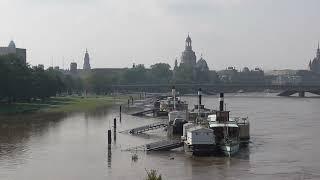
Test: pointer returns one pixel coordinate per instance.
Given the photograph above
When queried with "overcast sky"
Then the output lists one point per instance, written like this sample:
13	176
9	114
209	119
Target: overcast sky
272	34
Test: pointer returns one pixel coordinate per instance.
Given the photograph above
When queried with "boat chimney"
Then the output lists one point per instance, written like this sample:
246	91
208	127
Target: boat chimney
174	97
221	99
200	96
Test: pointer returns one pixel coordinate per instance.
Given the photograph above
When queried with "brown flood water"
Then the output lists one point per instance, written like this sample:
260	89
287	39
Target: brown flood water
284	133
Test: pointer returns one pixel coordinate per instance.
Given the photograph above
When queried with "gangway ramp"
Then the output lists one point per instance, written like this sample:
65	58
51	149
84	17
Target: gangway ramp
144	112
163	145
149	127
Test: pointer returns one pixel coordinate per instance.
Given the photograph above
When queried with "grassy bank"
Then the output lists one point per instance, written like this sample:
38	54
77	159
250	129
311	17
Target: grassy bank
61	104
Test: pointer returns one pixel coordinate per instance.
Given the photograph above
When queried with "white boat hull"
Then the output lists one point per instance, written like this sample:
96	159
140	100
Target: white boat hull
203	149
230	150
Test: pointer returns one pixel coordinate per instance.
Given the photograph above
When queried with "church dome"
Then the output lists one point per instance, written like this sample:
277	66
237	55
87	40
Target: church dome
12	44
245	69
202	64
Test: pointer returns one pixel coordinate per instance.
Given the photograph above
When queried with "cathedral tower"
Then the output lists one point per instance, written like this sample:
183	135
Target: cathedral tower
314	65
188	55
86	64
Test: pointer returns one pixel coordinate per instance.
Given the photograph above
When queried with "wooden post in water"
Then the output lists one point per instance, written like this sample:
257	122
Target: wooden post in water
120	111
301	94
115	125
109	148
109	138
114	129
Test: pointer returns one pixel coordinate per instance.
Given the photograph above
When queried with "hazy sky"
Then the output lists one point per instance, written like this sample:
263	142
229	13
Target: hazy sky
272	34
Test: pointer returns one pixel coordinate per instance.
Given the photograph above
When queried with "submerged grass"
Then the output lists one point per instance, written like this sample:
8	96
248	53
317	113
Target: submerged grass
61	104
153	175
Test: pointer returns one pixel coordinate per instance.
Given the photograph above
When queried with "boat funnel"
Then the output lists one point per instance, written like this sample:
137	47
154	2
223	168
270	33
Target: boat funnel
200	96
174	96
221	99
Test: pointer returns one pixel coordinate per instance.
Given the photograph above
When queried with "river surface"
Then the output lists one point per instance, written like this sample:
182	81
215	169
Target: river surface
284	144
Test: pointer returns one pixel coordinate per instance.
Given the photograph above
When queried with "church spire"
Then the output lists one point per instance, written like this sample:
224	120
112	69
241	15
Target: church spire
86	63
188	43
175	64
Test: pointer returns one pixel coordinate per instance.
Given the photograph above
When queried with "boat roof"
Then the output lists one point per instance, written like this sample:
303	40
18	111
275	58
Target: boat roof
223	125
199	128
213	117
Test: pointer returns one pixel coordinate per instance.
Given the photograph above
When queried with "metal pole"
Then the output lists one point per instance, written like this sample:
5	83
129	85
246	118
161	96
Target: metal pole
200	96
174	97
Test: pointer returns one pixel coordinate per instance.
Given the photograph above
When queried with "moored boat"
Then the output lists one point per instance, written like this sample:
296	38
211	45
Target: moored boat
198	140
199	111
226	131
171	103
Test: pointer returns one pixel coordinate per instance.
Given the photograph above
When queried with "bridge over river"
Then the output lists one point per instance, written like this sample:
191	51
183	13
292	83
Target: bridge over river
286	90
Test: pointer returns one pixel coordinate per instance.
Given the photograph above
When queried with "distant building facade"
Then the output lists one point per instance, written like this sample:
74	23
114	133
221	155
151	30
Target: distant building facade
292	77
314	65
246	76
11	49
86	61
73	67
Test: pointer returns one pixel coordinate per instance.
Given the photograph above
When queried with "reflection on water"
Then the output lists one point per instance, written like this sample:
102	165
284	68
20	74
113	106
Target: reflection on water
284	144
109	156
17	131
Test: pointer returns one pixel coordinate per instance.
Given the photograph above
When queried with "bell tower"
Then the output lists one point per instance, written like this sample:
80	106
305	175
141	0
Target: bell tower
188	43
188	55
86	63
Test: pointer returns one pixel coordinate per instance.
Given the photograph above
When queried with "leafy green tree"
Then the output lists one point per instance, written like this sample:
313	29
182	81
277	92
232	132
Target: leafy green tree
184	74
160	73
20	82
98	83
137	74
15	78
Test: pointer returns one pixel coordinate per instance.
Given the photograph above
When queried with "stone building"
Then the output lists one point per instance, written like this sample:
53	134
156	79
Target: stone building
86	61
292	77
11	49
228	75
73	67
202	71
198	70
188	55
314	65
246	76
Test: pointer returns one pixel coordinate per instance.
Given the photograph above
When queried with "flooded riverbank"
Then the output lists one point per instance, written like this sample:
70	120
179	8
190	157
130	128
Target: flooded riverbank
55	105
284	135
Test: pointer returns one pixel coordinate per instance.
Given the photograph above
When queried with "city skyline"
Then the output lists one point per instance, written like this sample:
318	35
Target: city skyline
236	33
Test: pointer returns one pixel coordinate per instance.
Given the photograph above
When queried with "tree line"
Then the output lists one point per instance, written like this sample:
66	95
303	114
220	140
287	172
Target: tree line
21	82
159	73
